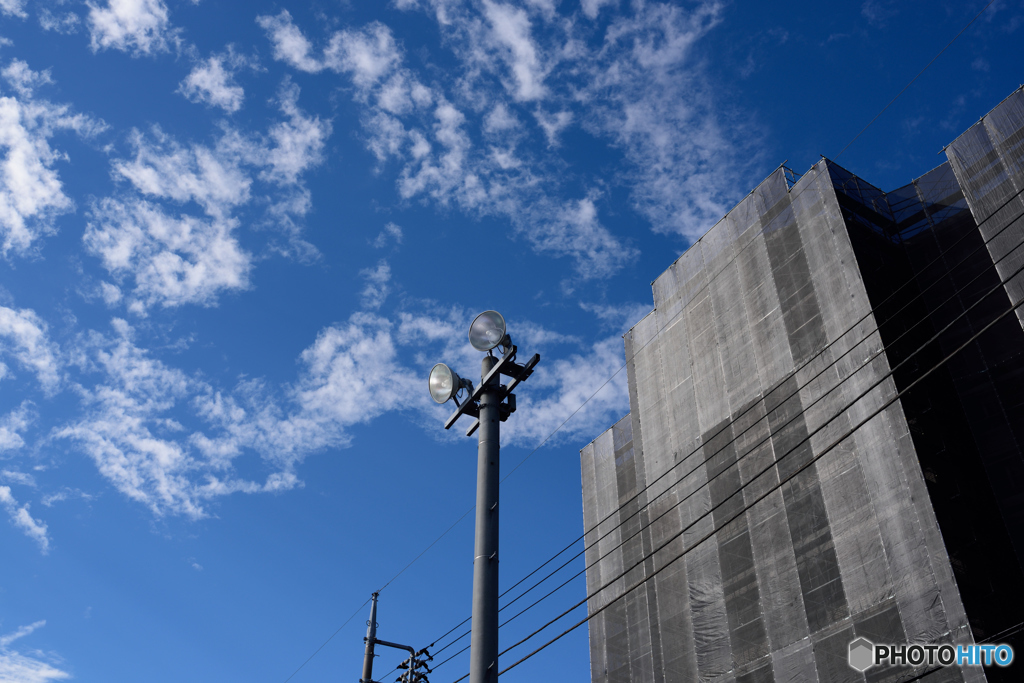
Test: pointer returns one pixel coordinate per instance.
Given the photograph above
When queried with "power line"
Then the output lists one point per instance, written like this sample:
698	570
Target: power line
327	641
983	10
813	460
867	336
764	440
915	77
839	413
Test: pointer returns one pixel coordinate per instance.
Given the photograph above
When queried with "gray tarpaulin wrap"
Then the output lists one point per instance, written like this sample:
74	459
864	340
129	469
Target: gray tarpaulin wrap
989	162
747	352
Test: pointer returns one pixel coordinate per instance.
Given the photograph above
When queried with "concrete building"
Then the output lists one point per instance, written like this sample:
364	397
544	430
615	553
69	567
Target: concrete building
818	447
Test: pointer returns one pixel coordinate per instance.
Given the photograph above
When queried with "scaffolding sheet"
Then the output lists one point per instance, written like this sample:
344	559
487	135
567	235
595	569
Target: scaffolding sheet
989	162
742	375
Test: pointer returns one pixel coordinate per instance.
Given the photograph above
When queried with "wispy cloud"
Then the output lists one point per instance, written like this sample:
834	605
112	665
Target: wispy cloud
175	257
649	97
16	477
24	521
31	193
619	317
28	343
529	73
67	22
171	441
174	260
510	34
65	493
439	149
390	233
13	8
11	426
377	285
578	395
15	666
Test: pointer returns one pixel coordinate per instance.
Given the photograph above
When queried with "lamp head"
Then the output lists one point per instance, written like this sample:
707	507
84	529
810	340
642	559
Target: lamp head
487	331
444	383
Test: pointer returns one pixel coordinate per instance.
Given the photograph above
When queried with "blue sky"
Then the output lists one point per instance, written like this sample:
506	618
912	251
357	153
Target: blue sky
235	236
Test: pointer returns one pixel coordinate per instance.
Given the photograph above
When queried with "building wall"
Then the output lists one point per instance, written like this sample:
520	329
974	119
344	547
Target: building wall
934	287
791	541
766	505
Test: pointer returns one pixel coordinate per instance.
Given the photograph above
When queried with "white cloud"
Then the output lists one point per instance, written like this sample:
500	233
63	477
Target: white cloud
351	373
11	426
367	55
571	391
211	177
60	23
20	478
510	30
171	441
499	120
20	518
390	233
620	317
633	84
177	258
290	46
66	493
377	285
211	83
593	7
22	631
553	124
174	260
28	343
137	26
648	97
23	79
432	139
31	194
297	143
126	431
133	426
18	668
13	8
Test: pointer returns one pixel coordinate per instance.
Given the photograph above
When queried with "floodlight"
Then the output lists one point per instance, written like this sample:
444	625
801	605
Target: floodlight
487	331
444	383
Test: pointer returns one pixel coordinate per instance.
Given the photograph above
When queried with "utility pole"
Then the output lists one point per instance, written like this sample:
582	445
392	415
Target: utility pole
371	640
491	403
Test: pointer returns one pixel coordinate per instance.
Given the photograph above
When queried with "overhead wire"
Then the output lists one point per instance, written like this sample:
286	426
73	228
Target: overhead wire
868	335
751	449
327	641
614	374
743	510
912	80
838	414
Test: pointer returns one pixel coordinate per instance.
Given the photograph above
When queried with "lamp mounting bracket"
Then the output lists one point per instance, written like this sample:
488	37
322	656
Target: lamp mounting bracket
507	366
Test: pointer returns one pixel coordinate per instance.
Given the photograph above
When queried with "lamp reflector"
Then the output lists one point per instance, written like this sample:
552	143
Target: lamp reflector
487	331
444	383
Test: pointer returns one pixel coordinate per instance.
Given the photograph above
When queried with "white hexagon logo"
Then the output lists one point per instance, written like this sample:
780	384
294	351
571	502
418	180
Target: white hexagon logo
862	654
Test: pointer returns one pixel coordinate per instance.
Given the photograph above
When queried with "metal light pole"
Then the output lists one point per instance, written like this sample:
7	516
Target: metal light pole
483	652
491	403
